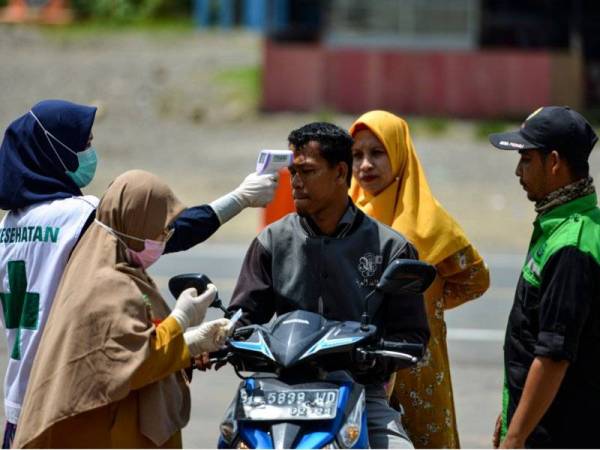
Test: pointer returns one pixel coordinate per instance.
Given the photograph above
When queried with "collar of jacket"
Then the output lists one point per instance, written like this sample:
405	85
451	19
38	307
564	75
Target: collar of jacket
549	221
344	226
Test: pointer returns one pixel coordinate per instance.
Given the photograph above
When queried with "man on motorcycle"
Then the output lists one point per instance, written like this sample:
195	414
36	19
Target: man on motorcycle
326	258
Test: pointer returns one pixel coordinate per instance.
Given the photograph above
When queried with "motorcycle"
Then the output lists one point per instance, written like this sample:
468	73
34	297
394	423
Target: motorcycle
300	392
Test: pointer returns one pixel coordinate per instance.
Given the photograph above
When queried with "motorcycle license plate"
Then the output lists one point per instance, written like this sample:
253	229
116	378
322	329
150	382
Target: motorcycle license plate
305	404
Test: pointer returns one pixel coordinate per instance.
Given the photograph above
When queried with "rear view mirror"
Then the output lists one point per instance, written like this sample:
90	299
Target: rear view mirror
406	276
180	283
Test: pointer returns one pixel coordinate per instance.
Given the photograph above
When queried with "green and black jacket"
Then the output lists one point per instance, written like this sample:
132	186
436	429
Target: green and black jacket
556	314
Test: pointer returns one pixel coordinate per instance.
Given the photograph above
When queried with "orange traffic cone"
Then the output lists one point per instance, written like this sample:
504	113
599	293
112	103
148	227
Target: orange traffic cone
283	202
15	12
56	12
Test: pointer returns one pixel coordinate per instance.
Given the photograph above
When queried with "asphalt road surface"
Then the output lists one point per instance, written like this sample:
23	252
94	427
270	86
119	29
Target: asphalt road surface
475	332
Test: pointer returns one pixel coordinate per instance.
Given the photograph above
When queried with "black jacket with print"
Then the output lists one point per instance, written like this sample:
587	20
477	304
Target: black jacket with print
291	266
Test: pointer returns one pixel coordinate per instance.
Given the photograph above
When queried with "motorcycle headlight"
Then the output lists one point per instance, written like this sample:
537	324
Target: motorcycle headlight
350	432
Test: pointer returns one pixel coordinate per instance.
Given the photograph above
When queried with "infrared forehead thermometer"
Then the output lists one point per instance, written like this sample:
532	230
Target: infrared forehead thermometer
271	161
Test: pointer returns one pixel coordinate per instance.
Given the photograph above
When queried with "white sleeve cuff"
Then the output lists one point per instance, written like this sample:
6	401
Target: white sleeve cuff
226	207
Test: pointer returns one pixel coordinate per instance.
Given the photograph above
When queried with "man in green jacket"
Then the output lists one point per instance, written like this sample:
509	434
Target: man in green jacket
552	344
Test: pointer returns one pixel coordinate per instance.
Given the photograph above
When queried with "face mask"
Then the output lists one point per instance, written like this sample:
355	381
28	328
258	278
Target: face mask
84	174
87	160
145	258
153	250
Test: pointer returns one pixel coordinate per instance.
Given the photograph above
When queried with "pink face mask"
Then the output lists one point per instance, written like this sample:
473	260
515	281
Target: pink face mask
153	250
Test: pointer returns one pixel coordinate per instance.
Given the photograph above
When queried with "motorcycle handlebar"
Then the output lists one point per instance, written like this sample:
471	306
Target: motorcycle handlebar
416	350
219	354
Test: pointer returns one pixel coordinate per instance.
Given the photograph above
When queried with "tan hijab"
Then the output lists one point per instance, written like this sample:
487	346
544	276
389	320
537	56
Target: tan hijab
407	204
100	326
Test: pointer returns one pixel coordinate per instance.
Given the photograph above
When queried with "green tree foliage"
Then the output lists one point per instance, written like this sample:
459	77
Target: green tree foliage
131	10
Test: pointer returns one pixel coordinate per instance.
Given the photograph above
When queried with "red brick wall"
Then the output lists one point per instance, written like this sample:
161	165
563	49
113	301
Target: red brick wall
293	77
454	83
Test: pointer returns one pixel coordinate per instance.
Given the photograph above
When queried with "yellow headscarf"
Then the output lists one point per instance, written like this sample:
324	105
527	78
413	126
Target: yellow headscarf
407	204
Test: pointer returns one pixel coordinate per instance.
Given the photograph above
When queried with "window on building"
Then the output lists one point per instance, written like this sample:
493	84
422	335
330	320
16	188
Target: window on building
440	24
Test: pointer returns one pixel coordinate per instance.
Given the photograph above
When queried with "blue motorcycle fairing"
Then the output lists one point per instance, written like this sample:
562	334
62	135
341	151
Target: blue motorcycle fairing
327	342
260	346
255	437
299	336
324	432
363	440
299	350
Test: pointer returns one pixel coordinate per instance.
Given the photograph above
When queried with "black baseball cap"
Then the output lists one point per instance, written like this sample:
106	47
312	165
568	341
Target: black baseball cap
550	128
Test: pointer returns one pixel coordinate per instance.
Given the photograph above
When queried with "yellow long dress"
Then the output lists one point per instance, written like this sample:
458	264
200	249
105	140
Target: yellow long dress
425	391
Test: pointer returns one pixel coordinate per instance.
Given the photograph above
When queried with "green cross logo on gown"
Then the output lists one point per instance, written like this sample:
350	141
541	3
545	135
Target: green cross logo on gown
21	308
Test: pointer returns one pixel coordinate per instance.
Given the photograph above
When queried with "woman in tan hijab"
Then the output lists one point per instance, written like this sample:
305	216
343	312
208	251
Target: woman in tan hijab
389	184
108	372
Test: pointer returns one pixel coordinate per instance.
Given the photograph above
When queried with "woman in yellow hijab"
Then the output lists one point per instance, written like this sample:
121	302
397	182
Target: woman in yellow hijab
389	185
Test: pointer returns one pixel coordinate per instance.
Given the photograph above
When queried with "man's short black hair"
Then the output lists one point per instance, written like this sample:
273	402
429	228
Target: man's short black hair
335	142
